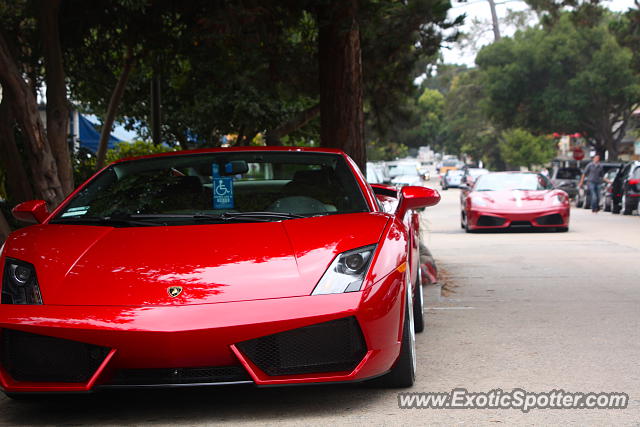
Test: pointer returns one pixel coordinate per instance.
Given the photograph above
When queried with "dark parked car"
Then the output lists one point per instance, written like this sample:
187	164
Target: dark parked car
625	191
606	190
583	198
566	179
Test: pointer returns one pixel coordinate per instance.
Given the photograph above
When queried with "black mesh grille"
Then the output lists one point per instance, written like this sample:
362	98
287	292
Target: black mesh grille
332	346
553	219
520	224
490	221
215	374
39	358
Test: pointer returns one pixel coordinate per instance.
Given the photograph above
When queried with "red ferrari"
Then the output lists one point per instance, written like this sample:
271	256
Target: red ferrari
224	266
513	199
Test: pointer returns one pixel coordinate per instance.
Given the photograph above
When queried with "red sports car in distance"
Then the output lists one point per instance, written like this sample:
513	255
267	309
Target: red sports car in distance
223	266
513	199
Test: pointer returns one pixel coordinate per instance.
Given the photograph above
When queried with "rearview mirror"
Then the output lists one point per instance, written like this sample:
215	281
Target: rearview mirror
416	197
32	212
235	167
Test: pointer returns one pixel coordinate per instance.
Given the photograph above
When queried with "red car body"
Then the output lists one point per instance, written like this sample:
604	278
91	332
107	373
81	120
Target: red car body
245	298
545	207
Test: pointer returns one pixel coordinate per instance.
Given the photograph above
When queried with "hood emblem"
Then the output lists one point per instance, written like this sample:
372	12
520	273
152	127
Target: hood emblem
174	291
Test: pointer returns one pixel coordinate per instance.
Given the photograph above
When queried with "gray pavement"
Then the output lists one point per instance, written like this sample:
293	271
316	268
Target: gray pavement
538	311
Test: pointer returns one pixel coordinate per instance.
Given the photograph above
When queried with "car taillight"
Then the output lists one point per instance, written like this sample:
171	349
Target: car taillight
634	181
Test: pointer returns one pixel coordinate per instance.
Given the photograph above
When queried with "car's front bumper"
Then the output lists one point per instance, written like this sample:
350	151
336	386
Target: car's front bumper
479	218
174	340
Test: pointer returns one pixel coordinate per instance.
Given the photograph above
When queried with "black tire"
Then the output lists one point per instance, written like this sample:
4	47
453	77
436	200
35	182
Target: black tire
579	201
462	220
467	229
587	203
625	209
418	305
444	188
403	372
607	205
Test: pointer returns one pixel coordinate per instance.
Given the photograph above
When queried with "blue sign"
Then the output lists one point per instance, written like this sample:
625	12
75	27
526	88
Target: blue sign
222	193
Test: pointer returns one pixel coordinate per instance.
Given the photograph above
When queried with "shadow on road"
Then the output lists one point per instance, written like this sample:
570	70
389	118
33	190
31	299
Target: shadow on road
192	406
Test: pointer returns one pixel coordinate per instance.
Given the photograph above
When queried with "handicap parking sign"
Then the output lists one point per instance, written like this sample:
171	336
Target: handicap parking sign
222	193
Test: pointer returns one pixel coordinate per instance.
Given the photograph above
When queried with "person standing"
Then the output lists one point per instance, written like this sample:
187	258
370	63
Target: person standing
594	174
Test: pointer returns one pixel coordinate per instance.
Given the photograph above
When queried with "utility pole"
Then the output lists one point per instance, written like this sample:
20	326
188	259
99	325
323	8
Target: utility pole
494	19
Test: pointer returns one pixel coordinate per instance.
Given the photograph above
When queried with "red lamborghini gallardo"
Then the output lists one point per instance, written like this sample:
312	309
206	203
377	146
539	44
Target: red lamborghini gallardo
248	265
502	200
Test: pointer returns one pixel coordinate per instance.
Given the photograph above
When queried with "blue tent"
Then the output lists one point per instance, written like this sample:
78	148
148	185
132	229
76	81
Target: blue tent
89	137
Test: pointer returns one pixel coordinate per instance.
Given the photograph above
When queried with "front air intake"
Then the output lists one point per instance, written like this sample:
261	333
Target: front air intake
490	221
170	376
334	346
40	358
553	219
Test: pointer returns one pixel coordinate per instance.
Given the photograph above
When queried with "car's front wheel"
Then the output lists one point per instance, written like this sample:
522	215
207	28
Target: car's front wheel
418	305
403	373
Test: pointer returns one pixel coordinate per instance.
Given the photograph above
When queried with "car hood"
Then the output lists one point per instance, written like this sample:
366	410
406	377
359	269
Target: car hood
89	265
514	199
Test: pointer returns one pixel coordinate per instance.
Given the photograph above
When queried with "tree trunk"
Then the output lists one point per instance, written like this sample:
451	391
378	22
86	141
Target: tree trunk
57	104
340	66
494	21
114	103
4	228
301	119
44	169
18	186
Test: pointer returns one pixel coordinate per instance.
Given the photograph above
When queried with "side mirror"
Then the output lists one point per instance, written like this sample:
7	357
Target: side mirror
415	197
32	212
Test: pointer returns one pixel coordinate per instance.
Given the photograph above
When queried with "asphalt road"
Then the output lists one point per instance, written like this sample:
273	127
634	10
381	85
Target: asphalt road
537	311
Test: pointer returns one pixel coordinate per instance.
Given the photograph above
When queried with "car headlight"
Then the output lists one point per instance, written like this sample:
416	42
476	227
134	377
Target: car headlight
559	199
19	284
479	201
346	273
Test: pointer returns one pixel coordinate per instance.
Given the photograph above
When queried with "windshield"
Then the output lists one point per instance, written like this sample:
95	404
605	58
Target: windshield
403	169
477	172
568	174
511	181
191	188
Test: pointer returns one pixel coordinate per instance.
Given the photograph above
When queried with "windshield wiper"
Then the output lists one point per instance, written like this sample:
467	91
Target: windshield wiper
226	216
265	215
102	220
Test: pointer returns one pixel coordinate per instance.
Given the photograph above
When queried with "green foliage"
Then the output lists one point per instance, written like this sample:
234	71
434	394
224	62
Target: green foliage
521	148
84	161
377	151
467	129
566	78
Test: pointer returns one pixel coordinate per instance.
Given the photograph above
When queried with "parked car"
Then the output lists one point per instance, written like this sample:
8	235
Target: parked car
625	191
377	173
606	190
265	266
451	179
566	179
449	163
405	172
502	200
583	197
